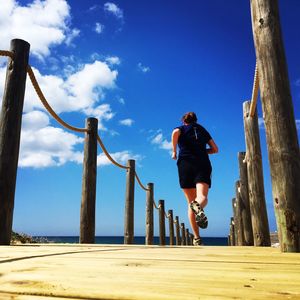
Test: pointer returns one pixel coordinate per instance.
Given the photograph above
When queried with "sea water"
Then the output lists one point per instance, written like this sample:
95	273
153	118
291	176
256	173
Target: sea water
138	240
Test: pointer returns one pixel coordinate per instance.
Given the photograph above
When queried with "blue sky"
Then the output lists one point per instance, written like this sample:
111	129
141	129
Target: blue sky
137	66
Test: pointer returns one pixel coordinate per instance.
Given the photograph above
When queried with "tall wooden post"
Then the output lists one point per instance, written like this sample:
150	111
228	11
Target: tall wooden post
283	145
232	234
149	214
162	227
237	230
244	196
191	239
88	194
259	218
177	227
187	237
183	239
10	129
239	214
171	227
129	203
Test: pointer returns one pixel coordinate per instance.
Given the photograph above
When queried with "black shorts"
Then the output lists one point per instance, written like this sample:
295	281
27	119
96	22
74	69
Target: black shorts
192	171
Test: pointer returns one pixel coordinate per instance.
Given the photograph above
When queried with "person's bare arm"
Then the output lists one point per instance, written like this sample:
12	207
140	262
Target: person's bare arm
213	148
175	136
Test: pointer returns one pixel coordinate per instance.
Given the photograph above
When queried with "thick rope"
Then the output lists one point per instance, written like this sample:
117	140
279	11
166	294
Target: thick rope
46	104
108	155
140	183
7	53
155	206
254	92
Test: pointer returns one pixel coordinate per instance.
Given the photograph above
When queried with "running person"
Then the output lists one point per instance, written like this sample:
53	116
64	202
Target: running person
194	168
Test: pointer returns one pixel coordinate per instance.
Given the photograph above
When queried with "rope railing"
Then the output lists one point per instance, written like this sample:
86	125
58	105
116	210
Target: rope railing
108	155
167	216
255	90
92	135
140	183
7	53
47	105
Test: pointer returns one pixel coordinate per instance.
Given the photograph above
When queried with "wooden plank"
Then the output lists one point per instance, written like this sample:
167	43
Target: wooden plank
149	272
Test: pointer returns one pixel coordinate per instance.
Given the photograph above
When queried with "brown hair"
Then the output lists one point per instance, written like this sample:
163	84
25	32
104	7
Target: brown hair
189	117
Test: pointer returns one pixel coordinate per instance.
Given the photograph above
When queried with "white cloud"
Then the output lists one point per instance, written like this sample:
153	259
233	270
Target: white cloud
297	82
43	145
114	9
126	122
94	7
113	60
81	91
42	23
261	123
99	28
143	69
71	36
162	143
297	124
121	100
88	84
34	119
120	157
102	112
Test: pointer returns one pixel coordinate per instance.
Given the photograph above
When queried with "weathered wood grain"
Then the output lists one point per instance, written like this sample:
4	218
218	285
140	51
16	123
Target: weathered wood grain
149	214
10	130
244	197
89	177
129	203
259	217
148	272
279	118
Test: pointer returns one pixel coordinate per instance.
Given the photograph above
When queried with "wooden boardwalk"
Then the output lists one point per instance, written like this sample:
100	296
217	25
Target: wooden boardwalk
139	272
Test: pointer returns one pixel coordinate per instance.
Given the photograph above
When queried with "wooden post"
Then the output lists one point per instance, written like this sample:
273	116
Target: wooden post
281	132
129	203
183	239
244	197
88	194
235	220
187	237
228	240
149	214
259	218
162	228
191	239
10	129
232	233
239	215
171	227
177	227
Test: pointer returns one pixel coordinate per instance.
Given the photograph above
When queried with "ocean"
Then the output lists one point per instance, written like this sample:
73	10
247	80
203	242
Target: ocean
138	240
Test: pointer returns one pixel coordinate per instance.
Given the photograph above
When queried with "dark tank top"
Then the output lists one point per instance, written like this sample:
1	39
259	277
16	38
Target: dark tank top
192	141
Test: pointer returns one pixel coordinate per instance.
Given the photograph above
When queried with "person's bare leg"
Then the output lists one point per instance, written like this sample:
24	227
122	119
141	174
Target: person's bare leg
201	193
190	195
